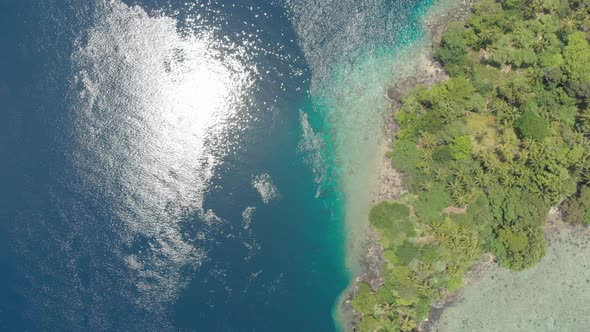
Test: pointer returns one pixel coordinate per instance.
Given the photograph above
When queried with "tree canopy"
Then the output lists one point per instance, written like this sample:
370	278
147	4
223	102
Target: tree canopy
485	154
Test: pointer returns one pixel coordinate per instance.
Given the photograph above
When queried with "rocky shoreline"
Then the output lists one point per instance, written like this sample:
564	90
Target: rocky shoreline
390	186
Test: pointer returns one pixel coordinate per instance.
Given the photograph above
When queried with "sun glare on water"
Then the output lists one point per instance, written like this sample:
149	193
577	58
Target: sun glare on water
151	107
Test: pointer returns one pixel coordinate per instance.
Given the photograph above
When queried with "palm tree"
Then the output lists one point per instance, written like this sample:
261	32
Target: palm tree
540	43
521	181
436	226
489	161
523	155
486	180
532	9
425	168
447	117
541	148
461	199
538	155
426	155
423	285
384	324
505	151
426	185
408	324
537	191
535	76
509	116
379	310
579	138
455	187
438	230
582	18
440	174
510	24
584	117
502	171
469	184
429	140
553	196
478	177
508	179
569	24
473	247
461	172
536	161
544	194
547	115
386	309
528	143
406	311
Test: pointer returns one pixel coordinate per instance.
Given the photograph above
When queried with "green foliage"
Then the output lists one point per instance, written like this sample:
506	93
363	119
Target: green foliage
517	205
405	156
386	214
485	154
485	77
370	323
430	204
532	125
519	246
576	209
482	218
406	253
511	4
442	154
364	301
391	220
461	147
557	105
453	50
577	61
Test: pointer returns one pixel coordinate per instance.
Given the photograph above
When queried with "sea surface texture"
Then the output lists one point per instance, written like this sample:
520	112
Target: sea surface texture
188	165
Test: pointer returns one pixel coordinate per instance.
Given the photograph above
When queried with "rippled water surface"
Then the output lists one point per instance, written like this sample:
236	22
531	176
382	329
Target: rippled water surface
187	165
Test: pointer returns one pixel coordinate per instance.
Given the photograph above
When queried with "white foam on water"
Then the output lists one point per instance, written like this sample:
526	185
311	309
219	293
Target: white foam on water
267	190
247	216
311	145
248	238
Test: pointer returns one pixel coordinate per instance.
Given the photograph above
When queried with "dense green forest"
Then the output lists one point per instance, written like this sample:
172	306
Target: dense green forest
485	155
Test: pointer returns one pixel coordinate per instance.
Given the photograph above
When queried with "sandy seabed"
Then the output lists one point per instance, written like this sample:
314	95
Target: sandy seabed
554	295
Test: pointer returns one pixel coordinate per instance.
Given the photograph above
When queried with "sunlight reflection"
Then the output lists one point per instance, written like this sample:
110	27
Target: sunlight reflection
151	105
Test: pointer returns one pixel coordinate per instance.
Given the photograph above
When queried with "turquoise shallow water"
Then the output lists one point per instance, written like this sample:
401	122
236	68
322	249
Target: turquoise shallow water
370	46
188	166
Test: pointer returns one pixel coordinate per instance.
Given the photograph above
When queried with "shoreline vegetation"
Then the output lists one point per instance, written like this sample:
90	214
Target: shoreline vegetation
488	137
556	287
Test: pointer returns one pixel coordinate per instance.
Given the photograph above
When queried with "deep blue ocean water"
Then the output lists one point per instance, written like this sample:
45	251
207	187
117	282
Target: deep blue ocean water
171	165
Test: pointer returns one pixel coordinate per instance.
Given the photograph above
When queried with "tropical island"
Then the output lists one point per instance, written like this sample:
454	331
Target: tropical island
485	155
